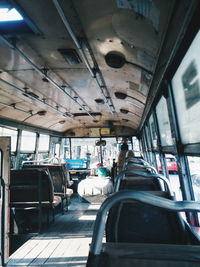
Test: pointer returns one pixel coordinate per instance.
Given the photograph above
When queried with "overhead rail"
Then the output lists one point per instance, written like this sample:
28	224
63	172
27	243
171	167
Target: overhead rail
43	73
95	73
65	114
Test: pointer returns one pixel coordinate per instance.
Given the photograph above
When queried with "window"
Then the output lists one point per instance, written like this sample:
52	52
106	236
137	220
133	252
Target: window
28	141
153	132
14	21
1	163
136	146
186	91
85	153
163	123
194	163
66	148
109	152
12	14
148	137
43	143
13	134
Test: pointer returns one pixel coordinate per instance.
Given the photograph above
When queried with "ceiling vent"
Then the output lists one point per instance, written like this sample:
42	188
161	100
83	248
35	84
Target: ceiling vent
41	112
99	101
70	55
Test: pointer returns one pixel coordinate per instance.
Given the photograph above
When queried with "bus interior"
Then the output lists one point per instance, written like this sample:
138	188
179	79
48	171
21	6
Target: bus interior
100	133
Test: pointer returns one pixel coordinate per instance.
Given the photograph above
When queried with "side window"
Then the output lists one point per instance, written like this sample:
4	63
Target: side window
186	92
1	163
164	123
153	132
28	141
194	163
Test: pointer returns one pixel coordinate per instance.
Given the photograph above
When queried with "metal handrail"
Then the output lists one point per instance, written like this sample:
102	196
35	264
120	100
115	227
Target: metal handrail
99	227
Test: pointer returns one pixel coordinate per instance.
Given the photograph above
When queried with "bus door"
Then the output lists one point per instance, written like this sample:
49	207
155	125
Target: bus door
5	145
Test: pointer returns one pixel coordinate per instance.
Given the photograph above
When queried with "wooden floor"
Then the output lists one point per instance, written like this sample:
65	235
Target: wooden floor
65	244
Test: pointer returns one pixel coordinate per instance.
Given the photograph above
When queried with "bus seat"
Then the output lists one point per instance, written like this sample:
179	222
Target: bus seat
127	254
145	255
60	180
140	183
33	188
145	224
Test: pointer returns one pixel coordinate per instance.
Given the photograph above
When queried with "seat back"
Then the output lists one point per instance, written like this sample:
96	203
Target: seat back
57	174
145	224
31	185
140	183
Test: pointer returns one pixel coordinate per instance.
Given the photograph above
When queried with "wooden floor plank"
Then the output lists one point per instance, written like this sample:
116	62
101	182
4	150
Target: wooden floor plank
66	243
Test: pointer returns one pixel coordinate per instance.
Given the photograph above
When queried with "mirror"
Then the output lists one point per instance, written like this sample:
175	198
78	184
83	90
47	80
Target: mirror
100	143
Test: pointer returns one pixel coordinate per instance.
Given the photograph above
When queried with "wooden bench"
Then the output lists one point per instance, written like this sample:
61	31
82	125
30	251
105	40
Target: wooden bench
61	181
33	189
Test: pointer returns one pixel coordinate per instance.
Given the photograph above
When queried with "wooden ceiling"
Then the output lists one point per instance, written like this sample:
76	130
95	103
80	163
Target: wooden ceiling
81	62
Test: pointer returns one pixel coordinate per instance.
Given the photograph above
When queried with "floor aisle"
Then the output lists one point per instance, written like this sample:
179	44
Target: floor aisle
65	244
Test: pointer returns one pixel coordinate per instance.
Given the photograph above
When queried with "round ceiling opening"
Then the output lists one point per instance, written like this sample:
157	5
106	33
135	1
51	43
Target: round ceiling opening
115	59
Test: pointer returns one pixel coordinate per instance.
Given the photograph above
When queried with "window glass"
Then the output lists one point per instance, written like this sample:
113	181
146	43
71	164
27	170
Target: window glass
43	143
28	141
1	163
148	137
42	156
109	152
136	146
153	132
186	91
57	150
194	165
163	122
172	168
13	134
66	148
86	150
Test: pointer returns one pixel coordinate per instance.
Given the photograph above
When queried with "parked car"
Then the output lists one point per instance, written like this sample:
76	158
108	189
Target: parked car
171	164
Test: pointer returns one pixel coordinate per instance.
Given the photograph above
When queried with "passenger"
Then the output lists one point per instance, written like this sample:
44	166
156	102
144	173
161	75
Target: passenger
28	160
130	154
122	157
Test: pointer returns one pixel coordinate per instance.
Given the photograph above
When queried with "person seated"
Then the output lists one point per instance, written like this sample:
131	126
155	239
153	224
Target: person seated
122	157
